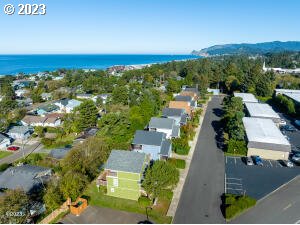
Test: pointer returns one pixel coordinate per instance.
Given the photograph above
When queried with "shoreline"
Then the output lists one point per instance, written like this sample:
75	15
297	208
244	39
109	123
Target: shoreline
95	68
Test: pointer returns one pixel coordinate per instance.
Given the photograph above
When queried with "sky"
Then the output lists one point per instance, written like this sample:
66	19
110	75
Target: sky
146	26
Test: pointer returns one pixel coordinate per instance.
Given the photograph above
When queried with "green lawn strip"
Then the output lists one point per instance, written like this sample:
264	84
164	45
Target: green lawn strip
59	217
102	200
4	154
179	163
232	154
58	142
237	204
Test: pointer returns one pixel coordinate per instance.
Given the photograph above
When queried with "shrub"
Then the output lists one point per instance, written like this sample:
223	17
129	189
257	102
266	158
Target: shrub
181	146
236	204
144	201
4	166
179	163
237	147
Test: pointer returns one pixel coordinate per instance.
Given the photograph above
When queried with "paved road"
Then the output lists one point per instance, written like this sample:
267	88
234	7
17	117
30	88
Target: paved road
19	154
201	197
281	207
94	215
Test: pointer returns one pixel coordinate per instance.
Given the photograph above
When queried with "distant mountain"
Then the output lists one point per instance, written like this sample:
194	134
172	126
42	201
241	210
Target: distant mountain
252	49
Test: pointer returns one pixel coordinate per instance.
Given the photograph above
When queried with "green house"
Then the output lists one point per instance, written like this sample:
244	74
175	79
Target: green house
124	172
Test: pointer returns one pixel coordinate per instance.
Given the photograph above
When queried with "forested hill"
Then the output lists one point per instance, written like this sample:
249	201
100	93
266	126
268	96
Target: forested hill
252	49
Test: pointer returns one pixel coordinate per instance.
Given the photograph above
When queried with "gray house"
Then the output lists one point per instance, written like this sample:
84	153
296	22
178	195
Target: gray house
178	115
20	133
155	144
165	125
4	141
27	177
189	99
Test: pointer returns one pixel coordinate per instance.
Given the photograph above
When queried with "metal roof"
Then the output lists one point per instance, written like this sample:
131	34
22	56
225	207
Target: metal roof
142	137
261	110
162	123
247	97
126	161
263	133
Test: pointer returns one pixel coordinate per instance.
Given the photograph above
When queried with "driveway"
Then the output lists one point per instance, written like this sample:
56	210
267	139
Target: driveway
93	215
281	207
201	197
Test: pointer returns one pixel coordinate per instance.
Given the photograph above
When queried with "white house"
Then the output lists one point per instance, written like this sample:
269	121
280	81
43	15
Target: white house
40	121
67	105
4	142
21	92
165	125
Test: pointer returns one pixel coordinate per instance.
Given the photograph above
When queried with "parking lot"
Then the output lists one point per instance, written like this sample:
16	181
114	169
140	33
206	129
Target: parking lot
256	181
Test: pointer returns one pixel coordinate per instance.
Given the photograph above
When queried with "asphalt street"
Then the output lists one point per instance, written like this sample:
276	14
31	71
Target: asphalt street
256	181
200	201
281	207
94	215
28	149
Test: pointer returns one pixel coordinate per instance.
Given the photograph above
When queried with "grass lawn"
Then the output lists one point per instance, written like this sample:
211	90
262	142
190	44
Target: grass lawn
58	142
4	154
236	155
179	163
157	214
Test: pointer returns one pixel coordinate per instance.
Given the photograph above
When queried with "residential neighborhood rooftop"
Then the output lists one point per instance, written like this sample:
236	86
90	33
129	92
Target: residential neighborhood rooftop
183	98
126	161
162	123
172	112
148	137
261	110
247	97
26	177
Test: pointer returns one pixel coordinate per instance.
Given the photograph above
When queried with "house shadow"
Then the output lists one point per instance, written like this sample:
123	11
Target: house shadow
145	222
223	205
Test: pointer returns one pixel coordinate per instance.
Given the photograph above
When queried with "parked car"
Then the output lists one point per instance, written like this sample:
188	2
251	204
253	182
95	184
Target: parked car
287	163
288	128
257	160
297	123
282	122
296	158
249	161
13	148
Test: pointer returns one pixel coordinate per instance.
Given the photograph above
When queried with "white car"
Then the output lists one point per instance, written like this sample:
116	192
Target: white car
282	122
289	164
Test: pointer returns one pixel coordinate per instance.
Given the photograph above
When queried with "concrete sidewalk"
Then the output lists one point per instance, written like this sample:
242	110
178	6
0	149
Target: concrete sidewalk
183	173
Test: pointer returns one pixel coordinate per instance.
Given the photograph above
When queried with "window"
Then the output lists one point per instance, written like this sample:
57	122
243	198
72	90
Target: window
115	182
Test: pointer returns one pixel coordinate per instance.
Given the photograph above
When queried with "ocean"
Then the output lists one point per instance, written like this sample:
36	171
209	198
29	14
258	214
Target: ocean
14	64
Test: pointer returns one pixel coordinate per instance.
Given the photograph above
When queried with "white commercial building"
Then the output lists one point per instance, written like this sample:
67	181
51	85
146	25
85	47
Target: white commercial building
294	96
264	111
247	97
286	91
265	139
